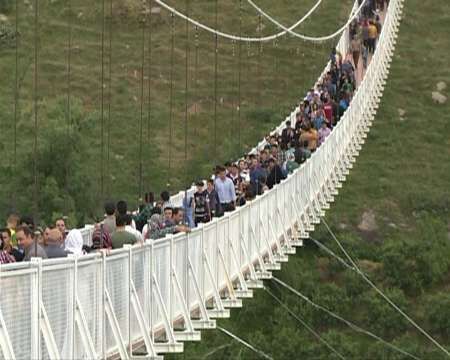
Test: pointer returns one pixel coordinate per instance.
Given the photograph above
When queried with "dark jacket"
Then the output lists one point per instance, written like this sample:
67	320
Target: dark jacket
214	203
275	176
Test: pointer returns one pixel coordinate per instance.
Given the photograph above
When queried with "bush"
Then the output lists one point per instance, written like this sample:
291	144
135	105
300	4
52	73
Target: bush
385	320
438	313
420	262
354	284
400	266
406	342
7	35
333	298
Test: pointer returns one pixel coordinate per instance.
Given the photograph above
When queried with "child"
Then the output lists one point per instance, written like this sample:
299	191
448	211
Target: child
201	204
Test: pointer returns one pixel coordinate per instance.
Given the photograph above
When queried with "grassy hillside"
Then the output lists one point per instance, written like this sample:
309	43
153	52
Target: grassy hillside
400	185
106	129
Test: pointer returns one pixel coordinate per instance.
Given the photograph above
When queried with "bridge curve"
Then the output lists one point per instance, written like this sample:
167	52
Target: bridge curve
104	306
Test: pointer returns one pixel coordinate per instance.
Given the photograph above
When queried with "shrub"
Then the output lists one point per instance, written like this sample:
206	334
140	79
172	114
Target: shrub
7	35
384	319
438	313
354	285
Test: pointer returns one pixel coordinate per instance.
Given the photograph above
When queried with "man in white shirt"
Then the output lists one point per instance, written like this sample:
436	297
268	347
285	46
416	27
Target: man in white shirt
129	228
225	189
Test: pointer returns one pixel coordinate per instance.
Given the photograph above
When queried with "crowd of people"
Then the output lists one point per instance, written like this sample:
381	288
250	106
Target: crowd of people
232	184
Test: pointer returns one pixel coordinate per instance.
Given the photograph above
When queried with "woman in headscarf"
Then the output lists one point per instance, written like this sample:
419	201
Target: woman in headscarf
74	242
155	224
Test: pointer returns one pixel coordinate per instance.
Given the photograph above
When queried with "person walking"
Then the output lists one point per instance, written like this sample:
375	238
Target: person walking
225	189
356	50
373	34
202	213
213	199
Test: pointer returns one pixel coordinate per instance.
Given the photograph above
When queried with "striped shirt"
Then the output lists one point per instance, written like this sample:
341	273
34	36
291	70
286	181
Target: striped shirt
6	258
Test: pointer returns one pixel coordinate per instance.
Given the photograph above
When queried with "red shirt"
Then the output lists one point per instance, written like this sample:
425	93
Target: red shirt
328	111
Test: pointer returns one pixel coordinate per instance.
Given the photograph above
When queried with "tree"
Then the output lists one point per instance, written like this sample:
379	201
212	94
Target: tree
64	185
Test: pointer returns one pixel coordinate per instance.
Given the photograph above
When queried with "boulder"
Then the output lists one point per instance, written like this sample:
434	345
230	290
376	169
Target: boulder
402	113
155	10
441	86
438	98
368	222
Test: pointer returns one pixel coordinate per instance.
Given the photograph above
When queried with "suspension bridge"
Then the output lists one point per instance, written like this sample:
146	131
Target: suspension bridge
147	300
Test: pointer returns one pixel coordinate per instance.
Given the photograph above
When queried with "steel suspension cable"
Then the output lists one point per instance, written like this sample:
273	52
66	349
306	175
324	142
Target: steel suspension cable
234	37
141	112
69	94
332	253
258	63
186	109
195	80
239	81
108	140
35	105
102	107
340	318
149	93
233	89
247	76
380	292
303	322
16	106
172	50
305	37
279	76
216	59
245	343
275	72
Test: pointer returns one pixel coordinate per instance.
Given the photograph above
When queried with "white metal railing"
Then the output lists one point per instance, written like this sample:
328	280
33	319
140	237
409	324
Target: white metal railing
99	305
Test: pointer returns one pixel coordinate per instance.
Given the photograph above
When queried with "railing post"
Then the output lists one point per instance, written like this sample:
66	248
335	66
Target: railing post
36	313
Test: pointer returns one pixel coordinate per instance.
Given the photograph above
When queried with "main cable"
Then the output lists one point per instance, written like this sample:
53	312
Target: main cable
358	270
340	318
306	37
301	321
234	37
246	344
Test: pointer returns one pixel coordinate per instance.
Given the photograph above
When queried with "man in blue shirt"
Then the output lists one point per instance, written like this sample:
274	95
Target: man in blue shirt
225	189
